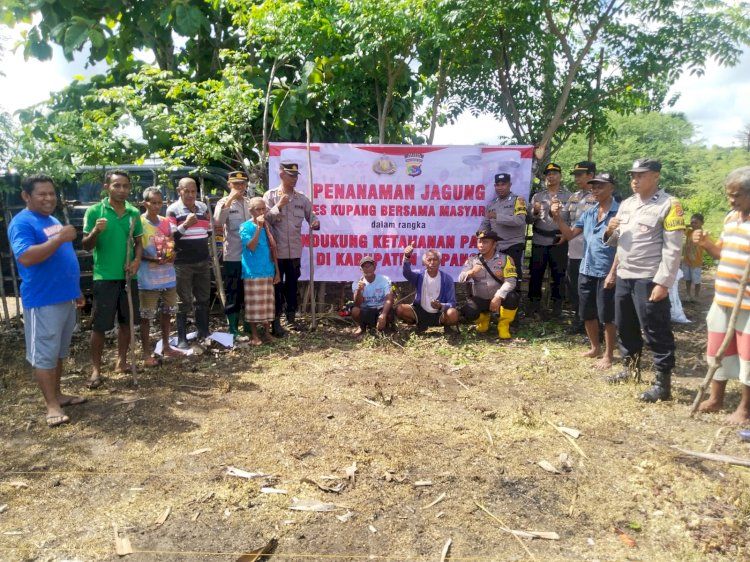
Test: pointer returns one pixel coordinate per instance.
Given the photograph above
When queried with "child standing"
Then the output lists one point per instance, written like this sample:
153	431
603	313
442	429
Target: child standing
692	259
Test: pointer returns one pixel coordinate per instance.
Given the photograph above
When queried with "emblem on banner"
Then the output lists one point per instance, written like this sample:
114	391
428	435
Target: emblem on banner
384	165
413	163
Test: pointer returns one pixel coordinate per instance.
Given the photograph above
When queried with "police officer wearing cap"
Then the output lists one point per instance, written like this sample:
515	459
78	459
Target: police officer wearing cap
230	212
548	248
648	231
506	216
493	280
580	202
287	208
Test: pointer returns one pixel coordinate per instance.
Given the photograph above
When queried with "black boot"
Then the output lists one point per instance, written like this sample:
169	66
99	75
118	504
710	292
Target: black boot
631	368
201	321
276	328
576	327
556	311
661	389
181	321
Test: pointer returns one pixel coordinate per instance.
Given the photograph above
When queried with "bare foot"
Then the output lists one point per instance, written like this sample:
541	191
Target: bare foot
266	337
169	352
603	364
593	352
68	400
151	362
256	341
739	417
711	405
359	332
123	367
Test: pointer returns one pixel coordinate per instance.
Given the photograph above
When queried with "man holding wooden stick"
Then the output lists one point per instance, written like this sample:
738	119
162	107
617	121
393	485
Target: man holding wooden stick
733	251
106	228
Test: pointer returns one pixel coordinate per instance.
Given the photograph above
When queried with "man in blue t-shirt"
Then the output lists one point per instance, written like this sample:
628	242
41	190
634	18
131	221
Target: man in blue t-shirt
50	277
373	298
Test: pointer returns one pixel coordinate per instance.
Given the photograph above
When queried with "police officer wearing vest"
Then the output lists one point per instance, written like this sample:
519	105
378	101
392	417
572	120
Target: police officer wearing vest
648	232
548	248
506	216
493	280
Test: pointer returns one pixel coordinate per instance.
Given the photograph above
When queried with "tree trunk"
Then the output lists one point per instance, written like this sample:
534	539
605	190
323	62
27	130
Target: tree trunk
442	71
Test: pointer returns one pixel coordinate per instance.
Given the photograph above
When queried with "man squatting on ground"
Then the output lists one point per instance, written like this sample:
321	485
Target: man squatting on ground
191	228
48	266
547	246
373	299
579	203
648	231
106	226
732	250
156	276
287	208
596	297
435	299
506	216
493	280
231	212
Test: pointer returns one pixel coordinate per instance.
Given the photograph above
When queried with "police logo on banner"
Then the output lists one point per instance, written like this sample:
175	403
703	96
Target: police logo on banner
413	164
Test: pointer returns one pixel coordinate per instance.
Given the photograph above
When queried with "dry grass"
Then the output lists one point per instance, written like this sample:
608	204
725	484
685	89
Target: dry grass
473	417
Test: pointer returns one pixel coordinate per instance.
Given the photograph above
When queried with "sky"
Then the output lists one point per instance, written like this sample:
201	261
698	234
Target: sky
716	103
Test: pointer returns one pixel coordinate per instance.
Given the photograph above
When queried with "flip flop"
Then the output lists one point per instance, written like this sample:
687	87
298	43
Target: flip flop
95	383
54	421
74	401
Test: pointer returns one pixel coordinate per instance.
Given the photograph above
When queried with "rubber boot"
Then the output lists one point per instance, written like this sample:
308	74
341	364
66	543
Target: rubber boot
631	368
233	320
556	309
201	321
661	389
276	328
532	308
503	325
181	321
483	322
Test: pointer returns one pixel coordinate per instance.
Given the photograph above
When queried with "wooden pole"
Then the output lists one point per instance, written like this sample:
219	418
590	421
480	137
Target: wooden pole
214	250
13	274
596	92
728	337
128	278
2	292
313	306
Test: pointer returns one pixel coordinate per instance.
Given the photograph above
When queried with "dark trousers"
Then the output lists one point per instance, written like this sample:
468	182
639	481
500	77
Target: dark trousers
233	287
556	257
286	291
571	283
474	306
193	284
516	252
635	315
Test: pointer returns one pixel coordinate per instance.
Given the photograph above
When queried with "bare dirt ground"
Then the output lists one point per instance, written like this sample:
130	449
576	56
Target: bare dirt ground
417	438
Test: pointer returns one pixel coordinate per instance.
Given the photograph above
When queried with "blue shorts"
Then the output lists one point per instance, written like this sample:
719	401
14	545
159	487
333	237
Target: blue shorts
48	331
691	274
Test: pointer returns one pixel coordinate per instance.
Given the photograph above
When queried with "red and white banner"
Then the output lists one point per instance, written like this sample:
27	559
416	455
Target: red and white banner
375	199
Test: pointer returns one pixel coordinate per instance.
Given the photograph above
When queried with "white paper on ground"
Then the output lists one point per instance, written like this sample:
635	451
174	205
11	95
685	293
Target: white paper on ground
158	349
676	311
223	338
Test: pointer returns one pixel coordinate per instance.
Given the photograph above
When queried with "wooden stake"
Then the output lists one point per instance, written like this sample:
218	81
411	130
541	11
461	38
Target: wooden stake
128	278
728	337
214	252
313	307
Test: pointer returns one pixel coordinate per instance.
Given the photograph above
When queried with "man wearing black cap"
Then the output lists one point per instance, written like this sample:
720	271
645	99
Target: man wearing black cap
581	201
547	245
287	208
506	216
493	280
373	298
230	212
648	231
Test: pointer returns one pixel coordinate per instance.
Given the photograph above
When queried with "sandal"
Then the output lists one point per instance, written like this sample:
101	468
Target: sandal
74	401
54	421
95	383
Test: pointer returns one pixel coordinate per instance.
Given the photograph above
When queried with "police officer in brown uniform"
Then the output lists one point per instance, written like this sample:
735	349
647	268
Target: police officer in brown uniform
287	208
547	248
506	216
648	231
493	280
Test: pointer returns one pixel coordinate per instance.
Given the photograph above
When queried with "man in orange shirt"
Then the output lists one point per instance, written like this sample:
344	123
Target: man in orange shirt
692	259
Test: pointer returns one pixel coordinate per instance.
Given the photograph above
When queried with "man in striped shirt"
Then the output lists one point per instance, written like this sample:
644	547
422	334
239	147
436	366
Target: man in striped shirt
732	250
191	227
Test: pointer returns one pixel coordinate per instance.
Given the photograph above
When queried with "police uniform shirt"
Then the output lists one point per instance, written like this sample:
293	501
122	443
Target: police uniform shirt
649	238
484	286
544	227
231	218
580	202
286	223
509	222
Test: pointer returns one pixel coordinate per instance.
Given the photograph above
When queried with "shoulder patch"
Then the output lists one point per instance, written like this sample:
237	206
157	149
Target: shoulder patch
509	270
520	206
675	219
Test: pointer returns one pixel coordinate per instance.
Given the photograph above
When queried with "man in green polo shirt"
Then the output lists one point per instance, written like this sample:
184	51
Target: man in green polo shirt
106	227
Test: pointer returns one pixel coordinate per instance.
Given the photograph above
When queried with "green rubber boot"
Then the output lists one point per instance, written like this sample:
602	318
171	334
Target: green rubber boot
233	320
